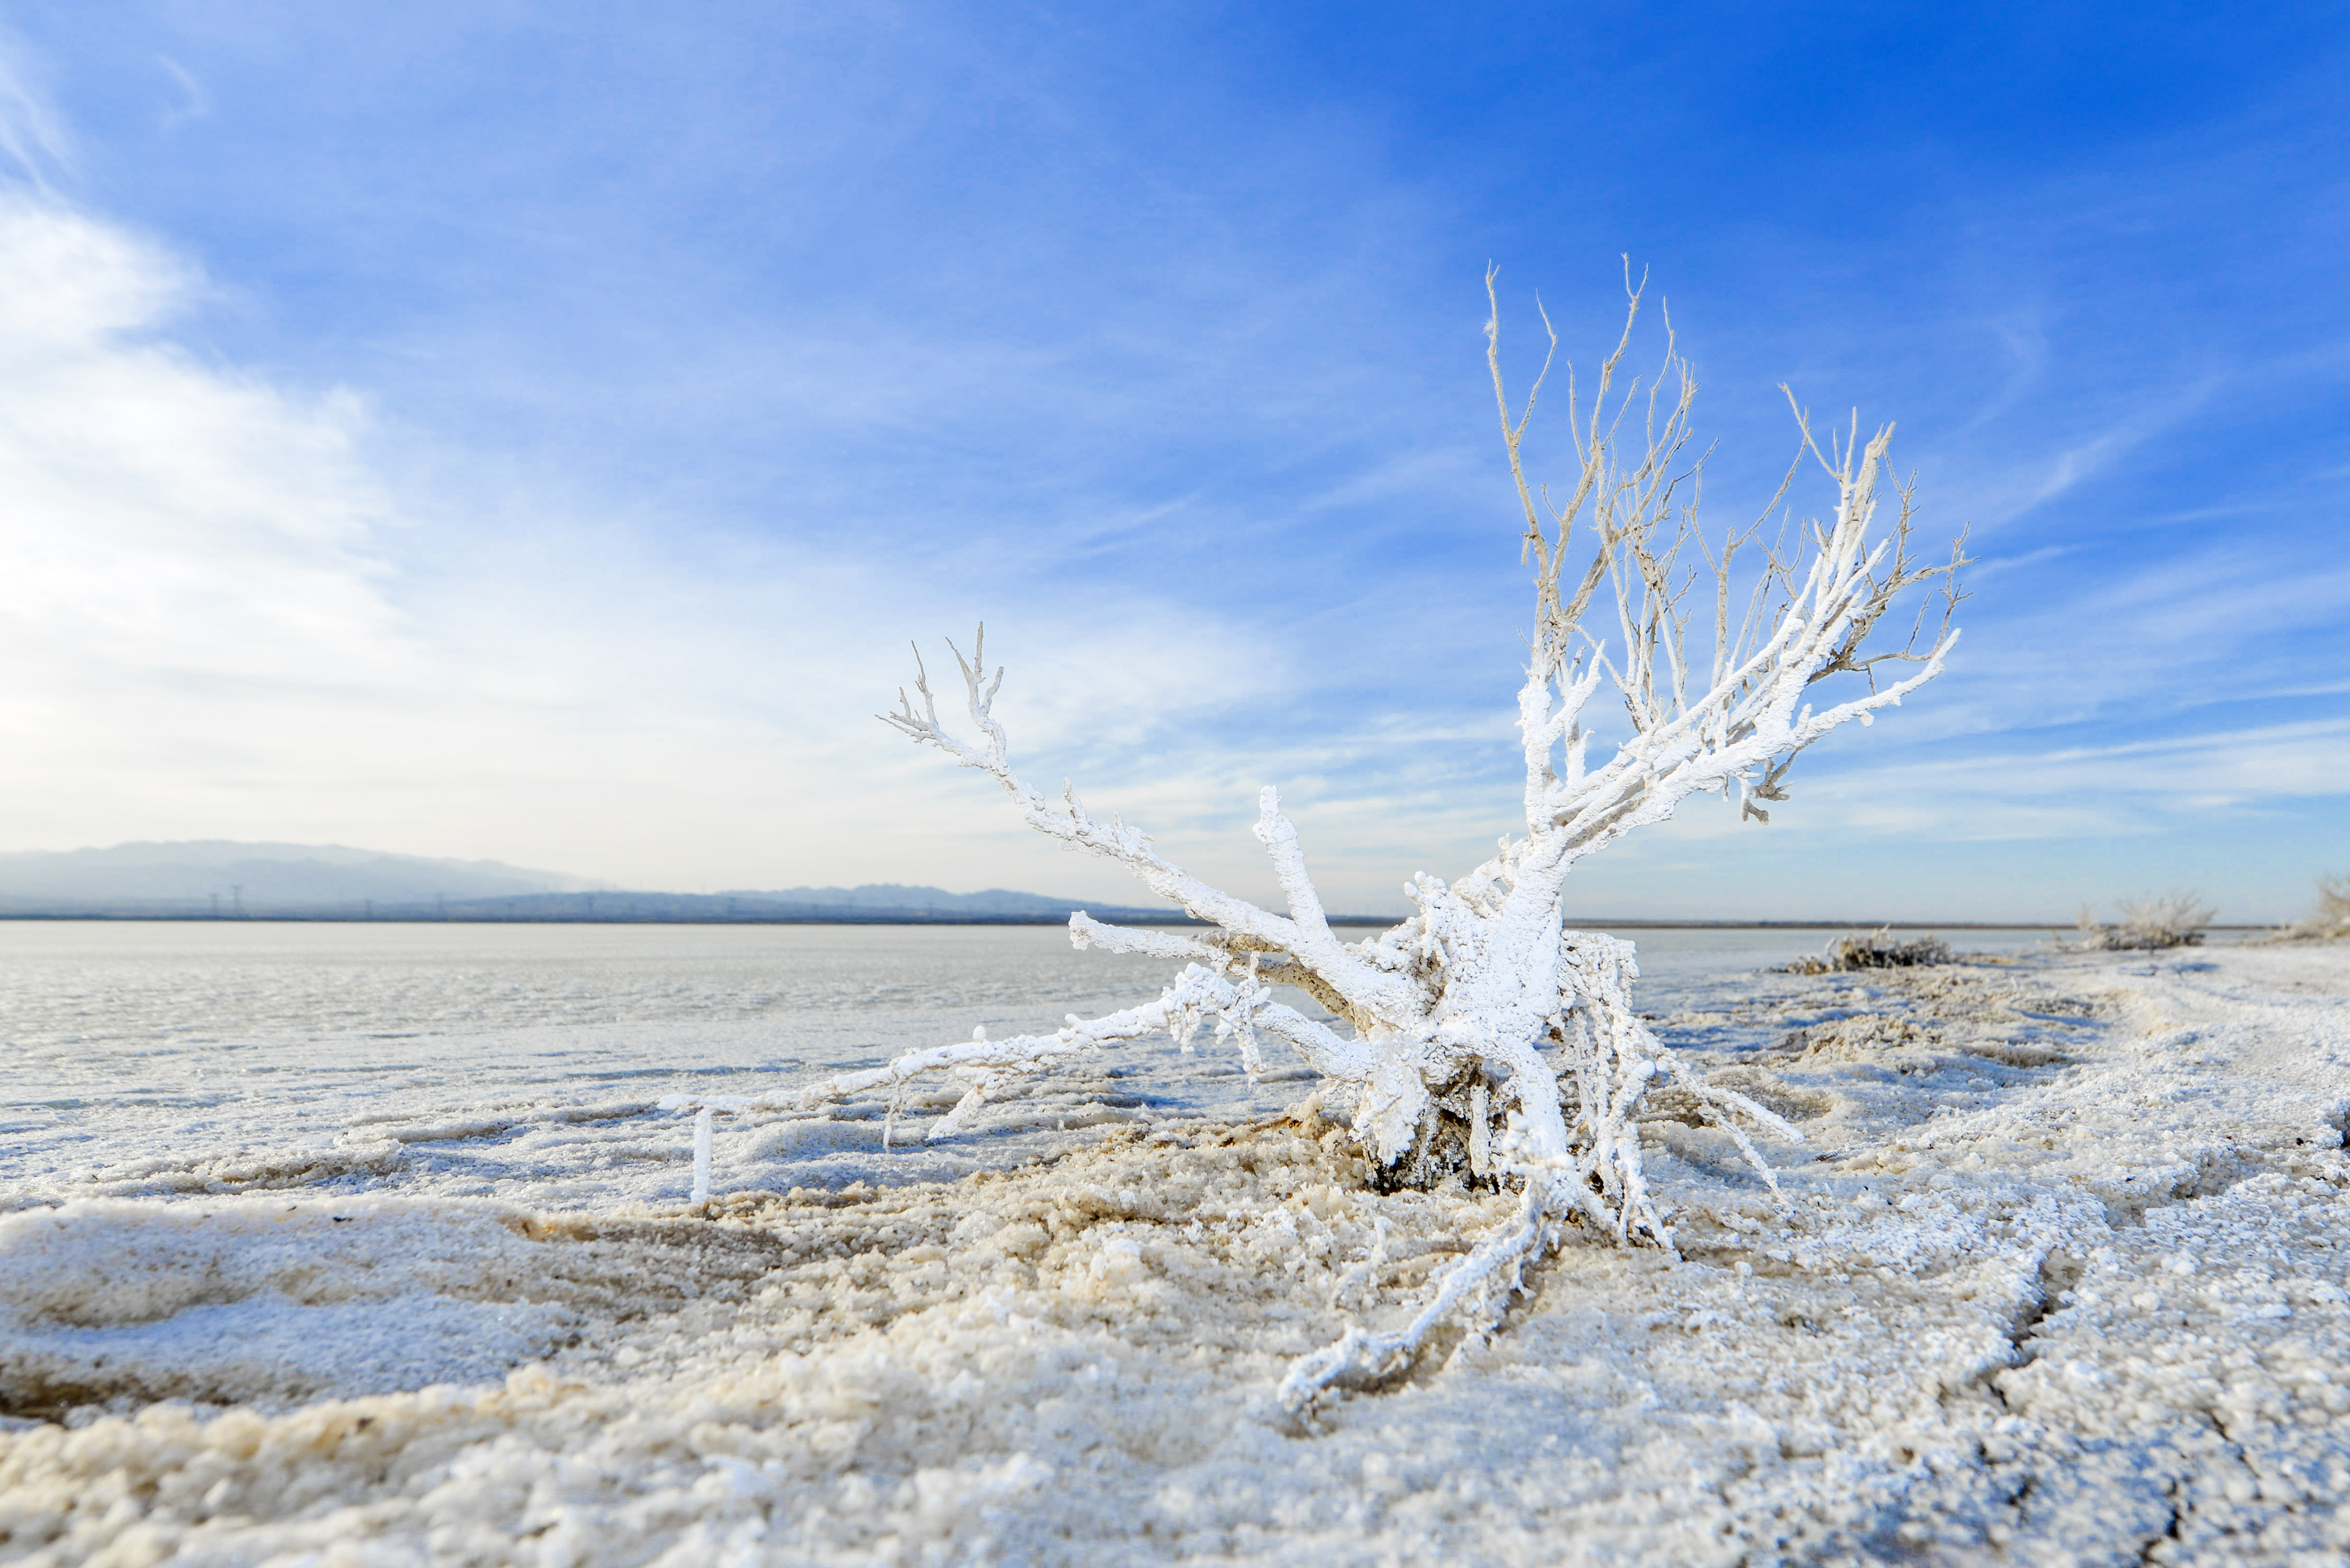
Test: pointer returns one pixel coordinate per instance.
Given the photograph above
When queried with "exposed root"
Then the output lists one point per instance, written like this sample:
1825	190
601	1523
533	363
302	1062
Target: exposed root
1484	1280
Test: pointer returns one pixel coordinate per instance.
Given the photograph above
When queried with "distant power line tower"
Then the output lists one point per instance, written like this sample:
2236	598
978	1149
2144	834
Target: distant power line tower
236	897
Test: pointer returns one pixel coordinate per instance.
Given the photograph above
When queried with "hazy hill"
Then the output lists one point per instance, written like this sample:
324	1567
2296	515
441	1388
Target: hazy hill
333	881
896	898
875	903
192	873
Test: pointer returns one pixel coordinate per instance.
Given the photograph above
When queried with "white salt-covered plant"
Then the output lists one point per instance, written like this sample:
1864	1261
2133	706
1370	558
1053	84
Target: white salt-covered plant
2329	920
1480	1036
1878	948
2173	919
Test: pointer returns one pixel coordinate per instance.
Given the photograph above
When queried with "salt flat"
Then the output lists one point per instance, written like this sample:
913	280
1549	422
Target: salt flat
2058	1277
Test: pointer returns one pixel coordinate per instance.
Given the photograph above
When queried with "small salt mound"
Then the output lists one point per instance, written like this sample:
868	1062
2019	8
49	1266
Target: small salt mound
250	1301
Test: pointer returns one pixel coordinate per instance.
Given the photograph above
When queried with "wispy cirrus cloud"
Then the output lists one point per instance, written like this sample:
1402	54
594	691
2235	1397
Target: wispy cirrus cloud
534	433
224	618
33	138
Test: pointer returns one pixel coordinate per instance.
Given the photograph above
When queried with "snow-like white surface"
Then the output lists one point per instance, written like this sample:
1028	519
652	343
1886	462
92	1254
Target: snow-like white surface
277	1300
2061	1279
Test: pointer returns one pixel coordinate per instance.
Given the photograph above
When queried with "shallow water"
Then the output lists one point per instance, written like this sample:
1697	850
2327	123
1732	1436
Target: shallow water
206	1056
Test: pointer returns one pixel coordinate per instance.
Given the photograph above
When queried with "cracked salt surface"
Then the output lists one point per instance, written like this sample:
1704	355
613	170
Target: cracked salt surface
2060	1279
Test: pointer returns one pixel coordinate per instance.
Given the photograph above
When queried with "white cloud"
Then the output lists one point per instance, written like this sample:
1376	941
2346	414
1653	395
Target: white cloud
160	511
220	619
181	541
2100	791
194	102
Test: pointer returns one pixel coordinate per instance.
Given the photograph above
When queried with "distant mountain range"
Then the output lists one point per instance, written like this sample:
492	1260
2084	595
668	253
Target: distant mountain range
880	904
896	898
253	877
219	879
216	877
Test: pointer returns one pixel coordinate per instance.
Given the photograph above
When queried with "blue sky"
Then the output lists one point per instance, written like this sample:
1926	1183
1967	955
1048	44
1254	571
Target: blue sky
534	432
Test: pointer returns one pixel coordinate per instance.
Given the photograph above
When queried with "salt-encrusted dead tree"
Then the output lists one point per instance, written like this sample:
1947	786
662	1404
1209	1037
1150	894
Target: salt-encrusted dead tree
1479	1032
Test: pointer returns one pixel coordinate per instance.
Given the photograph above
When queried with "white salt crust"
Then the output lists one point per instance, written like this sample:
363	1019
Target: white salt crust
2060	1280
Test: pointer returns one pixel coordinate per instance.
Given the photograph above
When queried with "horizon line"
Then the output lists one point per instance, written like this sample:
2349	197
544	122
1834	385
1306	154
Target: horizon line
846	917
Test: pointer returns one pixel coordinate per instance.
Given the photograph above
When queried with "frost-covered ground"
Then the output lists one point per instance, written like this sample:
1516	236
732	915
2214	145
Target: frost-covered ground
2060	1279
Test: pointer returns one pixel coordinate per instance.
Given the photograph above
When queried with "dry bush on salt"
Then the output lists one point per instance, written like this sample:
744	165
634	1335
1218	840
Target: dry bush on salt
1479	1040
2173	919
1878	949
2327	921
